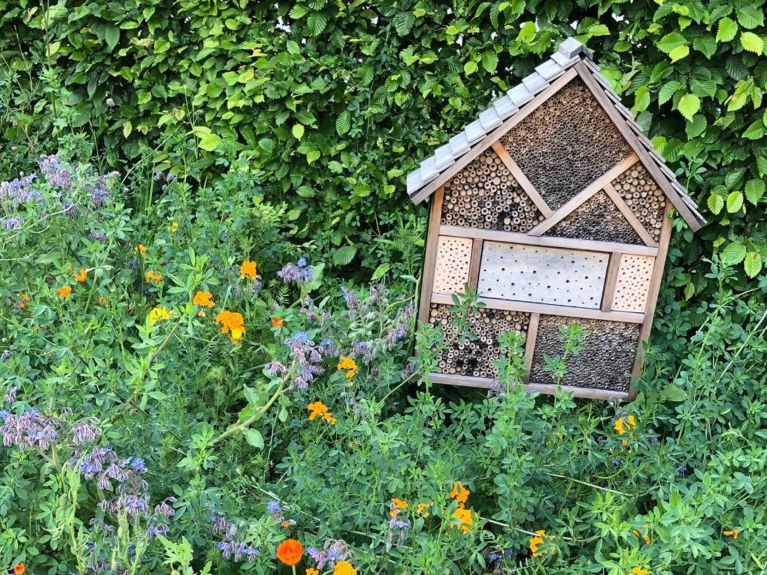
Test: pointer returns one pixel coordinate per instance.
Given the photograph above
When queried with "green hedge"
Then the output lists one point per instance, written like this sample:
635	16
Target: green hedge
336	101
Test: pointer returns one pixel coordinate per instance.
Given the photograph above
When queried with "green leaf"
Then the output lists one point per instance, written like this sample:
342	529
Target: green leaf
751	42
671	392
298	131
343	122
754	191
112	36
751	15
671	41
734	201
598	30
726	30
715	203
210	142
733	254
689	104
641	98
696	127
755	131
344	255
267	145
403	23
293	47
380	271
316	22
127	128
668	90
752	264
298	12
254	438
678	53
489	61
470	67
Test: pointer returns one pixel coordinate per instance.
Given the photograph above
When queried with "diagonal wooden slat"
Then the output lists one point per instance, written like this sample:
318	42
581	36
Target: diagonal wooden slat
521	178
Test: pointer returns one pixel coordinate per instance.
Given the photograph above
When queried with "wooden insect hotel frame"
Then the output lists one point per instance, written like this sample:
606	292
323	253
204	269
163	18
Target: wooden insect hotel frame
554	207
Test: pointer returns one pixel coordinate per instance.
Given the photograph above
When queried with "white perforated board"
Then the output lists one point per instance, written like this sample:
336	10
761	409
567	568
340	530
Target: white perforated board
537	274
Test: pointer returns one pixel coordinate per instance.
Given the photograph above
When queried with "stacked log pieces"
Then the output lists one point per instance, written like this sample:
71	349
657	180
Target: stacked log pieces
644	197
565	144
597	219
605	362
486	196
474	357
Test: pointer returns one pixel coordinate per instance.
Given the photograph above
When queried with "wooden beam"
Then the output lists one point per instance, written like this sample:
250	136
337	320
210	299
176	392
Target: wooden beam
488	383
532	335
475	262
549	242
612	277
522	180
630	216
591	83
484	143
549	309
581	197
652	296
430	258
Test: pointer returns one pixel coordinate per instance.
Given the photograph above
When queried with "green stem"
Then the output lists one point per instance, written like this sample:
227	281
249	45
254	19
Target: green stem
247	422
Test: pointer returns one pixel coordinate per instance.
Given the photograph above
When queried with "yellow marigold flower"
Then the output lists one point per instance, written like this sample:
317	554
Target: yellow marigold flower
203	299
329	418
344	568
399	503
248	269
537	540
21	303
351	373
141	249
734	533
622	425
639	571
64	292
151	276
312	571
200	313
464	518
173	227
81	276
459	493
231	323
159	314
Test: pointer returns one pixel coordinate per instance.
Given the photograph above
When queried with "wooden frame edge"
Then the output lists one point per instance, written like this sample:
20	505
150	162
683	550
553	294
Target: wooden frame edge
475	262
608	295
532	335
522	180
430	258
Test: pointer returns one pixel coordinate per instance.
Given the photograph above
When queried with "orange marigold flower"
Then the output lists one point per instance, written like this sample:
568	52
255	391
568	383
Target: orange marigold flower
312	571
158	314
277	322
19	569
464	518
231	323
734	533
141	248
317	409
639	571
21	303
344	568
459	493
151	276
346	362
290	551
203	299
81	276
248	269
64	292
421	507
399	503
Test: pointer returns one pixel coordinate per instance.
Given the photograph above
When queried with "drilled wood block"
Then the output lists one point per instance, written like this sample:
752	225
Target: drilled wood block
542	275
485	195
598	218
633	283
605	362
565	144
474	357
644	197
452	268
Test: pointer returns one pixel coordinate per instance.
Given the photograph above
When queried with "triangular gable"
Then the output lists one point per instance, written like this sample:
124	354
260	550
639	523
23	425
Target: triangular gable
571	60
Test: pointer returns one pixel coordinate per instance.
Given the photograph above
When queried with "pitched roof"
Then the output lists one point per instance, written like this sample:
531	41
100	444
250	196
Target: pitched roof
572	58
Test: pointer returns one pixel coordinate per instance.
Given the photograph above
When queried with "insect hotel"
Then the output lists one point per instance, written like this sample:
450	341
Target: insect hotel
554	207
